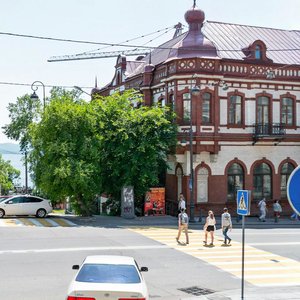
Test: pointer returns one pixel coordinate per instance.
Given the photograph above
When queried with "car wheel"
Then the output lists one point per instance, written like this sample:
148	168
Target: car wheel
2	213
41	213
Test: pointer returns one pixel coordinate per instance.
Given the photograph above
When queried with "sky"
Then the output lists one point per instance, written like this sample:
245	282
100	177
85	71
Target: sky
24	60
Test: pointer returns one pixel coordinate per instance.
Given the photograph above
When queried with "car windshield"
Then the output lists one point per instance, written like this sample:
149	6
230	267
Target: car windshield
105	273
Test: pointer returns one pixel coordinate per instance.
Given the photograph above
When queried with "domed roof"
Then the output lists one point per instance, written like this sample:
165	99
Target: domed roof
194	44
194	16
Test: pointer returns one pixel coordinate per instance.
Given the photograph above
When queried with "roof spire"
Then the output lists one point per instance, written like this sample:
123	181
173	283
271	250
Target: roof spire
96	85
194	4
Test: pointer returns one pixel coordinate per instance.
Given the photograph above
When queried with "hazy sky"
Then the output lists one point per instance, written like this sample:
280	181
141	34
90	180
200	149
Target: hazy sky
24	60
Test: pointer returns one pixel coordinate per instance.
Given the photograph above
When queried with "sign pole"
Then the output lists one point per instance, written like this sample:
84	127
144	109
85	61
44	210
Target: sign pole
243	257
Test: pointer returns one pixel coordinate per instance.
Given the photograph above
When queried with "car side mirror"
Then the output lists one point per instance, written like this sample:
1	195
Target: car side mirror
75	267
144	269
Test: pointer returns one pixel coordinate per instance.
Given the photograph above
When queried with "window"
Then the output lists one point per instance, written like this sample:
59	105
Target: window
172	102
286	171
287	115
257	52
235	110
262	178
263	110
206	108
235	180
186	107
162	102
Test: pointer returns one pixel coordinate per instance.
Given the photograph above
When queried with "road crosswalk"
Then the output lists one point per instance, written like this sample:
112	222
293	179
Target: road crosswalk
36	222
262	268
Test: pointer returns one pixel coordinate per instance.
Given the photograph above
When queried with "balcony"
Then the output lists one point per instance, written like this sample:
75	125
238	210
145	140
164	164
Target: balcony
273	131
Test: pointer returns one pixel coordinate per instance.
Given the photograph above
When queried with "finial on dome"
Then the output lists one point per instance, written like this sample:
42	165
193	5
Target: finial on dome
194	3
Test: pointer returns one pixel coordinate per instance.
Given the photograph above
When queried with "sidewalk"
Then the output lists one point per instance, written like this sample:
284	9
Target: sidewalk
170	221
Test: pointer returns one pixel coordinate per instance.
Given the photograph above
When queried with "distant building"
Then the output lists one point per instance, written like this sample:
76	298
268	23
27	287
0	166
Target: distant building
246	119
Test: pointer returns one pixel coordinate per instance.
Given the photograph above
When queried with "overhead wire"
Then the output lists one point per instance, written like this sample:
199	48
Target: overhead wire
130	46
46	85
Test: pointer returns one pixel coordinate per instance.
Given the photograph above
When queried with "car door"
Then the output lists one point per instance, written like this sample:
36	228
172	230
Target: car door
13	206
33	204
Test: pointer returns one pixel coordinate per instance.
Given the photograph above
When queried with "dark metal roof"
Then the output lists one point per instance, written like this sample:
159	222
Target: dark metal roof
283	46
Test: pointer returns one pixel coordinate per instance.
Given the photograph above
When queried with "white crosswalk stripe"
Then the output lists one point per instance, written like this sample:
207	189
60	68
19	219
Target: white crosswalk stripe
262	268
47	222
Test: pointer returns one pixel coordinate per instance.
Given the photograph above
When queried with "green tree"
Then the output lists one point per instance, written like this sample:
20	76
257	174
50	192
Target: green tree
82	149
134	144
22	114
65	151
7	176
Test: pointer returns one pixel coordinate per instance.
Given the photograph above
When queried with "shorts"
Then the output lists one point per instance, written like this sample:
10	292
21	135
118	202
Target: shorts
210	228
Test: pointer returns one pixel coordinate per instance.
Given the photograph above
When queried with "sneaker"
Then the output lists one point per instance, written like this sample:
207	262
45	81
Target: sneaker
205	243
229	241
211	244
177	240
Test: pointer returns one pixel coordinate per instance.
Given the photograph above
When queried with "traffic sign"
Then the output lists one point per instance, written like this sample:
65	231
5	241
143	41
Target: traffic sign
243	202
293	190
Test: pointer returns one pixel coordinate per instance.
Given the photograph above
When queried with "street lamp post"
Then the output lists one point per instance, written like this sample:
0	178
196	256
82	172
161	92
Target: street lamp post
194	91
35	85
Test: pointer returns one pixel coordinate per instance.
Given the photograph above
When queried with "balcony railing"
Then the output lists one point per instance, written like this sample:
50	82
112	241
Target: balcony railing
275	131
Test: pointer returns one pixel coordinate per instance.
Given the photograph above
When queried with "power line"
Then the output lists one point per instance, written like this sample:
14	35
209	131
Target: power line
130	46
49	86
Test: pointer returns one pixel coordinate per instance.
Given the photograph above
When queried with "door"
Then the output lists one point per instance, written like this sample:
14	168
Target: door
202	185
13	206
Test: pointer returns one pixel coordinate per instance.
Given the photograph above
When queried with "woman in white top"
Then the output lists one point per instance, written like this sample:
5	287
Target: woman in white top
209	227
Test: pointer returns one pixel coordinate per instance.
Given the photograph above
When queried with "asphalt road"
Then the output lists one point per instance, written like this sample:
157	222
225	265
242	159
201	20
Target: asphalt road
36	262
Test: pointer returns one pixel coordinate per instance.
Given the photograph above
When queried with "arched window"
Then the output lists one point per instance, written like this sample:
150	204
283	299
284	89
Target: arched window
235	180
235	110
262	177
206	108
186	97
161	102
257	52
285	173
287	114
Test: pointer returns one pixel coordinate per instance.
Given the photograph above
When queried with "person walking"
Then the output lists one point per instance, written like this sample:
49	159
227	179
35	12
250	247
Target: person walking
181	203
209	227
277	210
226	224
263	209
183	225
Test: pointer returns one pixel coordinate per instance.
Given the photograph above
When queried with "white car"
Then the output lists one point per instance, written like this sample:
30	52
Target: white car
21	205
109	277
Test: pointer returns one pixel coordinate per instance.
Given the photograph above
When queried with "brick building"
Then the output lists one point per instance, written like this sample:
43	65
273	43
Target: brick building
245	119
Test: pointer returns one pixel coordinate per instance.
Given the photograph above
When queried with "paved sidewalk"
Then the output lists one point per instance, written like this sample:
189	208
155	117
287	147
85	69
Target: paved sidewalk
111	221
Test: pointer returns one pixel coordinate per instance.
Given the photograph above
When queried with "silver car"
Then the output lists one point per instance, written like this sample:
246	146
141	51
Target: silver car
21	205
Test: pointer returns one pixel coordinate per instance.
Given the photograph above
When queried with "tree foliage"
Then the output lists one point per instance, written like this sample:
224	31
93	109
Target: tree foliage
82	149
7	176
22	114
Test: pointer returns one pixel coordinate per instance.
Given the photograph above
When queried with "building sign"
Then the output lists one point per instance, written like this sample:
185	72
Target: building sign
155	202
127	202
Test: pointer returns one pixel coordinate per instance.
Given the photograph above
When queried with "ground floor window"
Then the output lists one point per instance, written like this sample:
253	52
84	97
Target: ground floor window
286	171
235	181
262	182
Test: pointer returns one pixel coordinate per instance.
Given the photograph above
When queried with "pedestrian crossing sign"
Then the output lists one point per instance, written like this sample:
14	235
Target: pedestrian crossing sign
243	202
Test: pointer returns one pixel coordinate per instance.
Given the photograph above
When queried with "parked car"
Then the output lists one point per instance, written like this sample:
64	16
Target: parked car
21	205
108	277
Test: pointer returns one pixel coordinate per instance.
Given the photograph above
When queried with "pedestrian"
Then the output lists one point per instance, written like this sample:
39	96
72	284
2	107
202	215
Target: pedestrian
181	203
277	210
263	209
183	225
209	227
226	225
